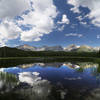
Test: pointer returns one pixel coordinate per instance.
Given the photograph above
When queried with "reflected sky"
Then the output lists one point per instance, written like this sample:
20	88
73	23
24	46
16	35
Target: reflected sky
61	81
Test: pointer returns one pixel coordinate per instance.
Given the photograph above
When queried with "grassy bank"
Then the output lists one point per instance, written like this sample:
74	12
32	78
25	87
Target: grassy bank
14	61
52	58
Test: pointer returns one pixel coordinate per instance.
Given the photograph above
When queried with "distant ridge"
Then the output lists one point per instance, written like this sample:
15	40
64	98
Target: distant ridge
82	48
72	47
43	48
26	47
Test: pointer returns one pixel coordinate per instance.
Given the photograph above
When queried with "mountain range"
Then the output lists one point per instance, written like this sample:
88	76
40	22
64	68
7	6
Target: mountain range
72	48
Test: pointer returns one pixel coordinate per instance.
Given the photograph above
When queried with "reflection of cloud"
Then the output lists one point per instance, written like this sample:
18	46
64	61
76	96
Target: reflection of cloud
29	78
7	82
1	84
63	93
94	95
8	69
77	78
32	87
40	88
36	73
1	69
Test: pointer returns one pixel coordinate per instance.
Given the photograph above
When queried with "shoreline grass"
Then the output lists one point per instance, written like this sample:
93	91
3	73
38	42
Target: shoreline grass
15	61
45	57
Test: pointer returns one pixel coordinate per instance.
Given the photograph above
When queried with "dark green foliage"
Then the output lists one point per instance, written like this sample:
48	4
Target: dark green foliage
99	53
14	52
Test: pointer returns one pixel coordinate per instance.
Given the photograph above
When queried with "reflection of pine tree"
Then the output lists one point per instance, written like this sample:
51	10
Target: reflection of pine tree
80	69
96	72
8	78
98	68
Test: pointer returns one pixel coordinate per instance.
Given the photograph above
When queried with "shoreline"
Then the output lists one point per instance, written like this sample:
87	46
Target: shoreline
52	58
15	61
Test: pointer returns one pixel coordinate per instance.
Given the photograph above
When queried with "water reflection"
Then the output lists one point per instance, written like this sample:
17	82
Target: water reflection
42	65
36	87
7	82
56	64
51	81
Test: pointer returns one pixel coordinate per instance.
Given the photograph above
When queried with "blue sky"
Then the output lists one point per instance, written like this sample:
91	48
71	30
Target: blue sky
50	22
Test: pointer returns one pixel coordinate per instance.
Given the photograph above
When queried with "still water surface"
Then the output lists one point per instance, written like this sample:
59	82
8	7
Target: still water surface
51	81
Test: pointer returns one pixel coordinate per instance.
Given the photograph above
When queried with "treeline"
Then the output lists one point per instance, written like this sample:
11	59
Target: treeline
14	52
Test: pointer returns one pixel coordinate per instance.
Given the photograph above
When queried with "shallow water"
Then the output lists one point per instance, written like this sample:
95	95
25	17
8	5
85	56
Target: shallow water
51	81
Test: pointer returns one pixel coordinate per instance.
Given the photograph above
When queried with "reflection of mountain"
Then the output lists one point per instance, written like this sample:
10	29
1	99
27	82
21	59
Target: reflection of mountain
42	65
26	65
56	64
73	66
76	65
83	65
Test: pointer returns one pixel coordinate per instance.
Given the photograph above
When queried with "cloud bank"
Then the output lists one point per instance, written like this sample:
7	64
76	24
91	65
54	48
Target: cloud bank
92	5
36	16
12	8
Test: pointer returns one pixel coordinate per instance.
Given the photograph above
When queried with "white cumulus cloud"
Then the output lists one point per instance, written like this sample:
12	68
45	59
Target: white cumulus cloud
64	20
74	35
92	5
40	18
12	8
8	31
61	28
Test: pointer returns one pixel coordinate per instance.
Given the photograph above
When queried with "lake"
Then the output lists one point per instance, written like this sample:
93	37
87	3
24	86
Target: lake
50	81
